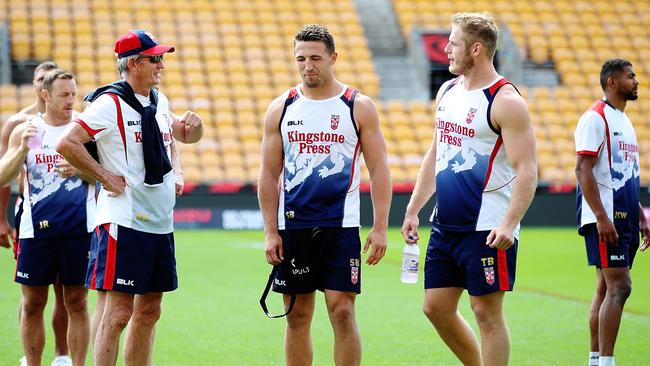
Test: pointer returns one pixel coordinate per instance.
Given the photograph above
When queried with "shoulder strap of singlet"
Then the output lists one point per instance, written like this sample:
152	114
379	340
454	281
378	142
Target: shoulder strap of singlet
451	85
348	99
490	94
292	96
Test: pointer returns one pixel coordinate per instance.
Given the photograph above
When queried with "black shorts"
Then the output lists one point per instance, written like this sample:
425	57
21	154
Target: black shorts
319	259
41	261
461	259
603	255
131	261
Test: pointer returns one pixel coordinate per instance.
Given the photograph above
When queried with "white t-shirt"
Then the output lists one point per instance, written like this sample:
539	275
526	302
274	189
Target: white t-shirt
119	145
607	133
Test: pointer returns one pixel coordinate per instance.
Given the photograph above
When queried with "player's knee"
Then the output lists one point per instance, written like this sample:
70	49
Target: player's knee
33	305
342	313
486	315
117	318
621	290
76	303
298	318
148	314
435	311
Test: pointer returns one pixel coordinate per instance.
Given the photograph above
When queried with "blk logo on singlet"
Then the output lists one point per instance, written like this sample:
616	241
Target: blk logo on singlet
294	123
133	123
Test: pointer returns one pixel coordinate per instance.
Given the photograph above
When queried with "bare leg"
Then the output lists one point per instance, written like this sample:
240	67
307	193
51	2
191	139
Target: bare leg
495	339
441	308
298	349
32	327
139	339
594	311
117	312
347	341
619	287
78	330
97	315
59	322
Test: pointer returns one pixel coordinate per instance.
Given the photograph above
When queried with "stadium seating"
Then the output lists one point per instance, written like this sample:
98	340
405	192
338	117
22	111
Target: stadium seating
234	57
575	36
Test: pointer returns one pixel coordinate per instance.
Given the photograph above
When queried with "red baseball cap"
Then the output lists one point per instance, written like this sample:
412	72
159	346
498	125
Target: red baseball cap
140	42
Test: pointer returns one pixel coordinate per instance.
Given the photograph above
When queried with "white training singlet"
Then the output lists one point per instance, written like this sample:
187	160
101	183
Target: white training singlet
321	174
53	206
473	177
116	128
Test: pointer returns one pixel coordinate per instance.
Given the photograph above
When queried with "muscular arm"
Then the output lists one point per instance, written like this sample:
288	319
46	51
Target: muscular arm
589	189
12	161
5	192
71	147
373	147
510	115
188	128
425	187
268	191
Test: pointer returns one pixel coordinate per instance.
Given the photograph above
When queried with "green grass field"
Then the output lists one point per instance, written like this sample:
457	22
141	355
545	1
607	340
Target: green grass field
214	317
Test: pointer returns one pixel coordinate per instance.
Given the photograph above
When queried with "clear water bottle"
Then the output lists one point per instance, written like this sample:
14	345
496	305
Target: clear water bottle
36	141
410	263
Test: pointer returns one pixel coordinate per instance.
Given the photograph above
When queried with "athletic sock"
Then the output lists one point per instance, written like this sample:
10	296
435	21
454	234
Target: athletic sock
606	361
593	358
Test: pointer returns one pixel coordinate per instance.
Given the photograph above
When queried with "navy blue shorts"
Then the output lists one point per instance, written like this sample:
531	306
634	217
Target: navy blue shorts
461	259
41	261
319	259
131	261
602	255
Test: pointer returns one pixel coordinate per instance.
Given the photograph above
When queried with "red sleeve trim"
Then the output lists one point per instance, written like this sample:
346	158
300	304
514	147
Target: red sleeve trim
587	152
87	128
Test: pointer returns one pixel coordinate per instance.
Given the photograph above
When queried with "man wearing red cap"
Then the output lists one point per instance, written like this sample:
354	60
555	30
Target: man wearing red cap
132	252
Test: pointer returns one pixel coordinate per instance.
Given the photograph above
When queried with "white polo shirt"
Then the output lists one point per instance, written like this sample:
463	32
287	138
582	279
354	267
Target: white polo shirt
119	144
